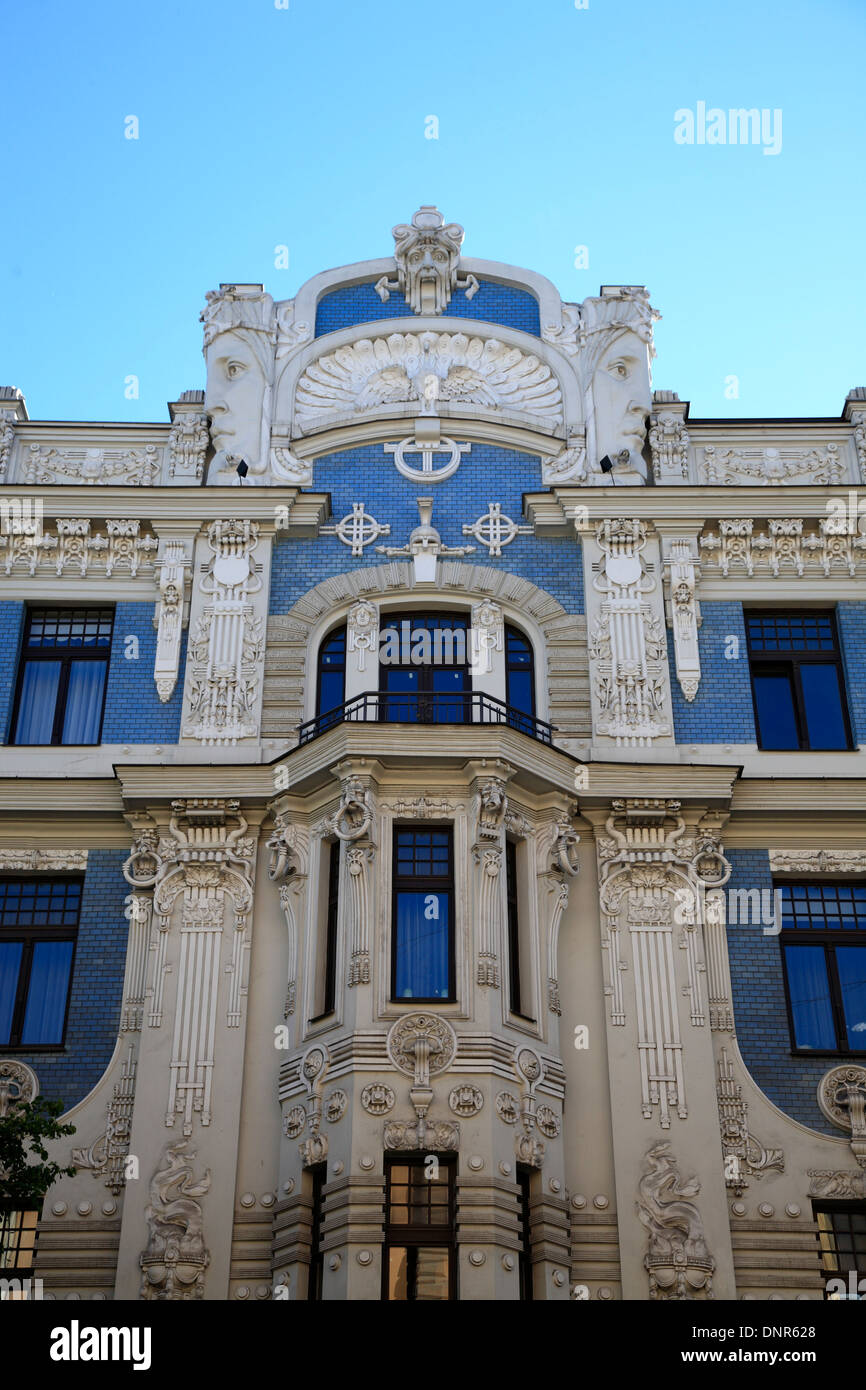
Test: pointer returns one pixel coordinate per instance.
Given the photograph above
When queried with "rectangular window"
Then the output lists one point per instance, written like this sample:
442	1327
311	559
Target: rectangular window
513	926
38	928
420	1250
319	1176
17	1250
797	681
524	1178
422	917
842	1241
62	676
327	963
823	944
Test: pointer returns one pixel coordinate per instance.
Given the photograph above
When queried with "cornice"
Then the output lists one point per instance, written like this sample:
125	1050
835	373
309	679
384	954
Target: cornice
696	503
195	506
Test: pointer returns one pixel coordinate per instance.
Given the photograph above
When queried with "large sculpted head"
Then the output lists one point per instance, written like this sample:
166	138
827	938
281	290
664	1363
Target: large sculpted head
239	346
617	337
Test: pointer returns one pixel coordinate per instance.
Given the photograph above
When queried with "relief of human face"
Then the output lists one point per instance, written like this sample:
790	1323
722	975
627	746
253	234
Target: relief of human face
234	397
622	397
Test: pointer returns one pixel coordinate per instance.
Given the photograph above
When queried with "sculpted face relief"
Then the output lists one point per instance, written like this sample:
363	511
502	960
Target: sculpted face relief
622	397
235	397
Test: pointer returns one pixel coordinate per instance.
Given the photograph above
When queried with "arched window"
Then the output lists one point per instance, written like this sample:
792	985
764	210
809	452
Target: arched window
331	680
519	680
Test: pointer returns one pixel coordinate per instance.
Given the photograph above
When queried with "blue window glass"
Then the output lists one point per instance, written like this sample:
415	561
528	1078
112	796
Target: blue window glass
423	966
822	701
823	938
38	927
851	964
774	701
64	665
797	682
809	993
519	679
424	669
331	692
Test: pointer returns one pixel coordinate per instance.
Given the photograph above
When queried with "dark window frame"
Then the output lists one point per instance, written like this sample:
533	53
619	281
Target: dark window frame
65	655
315	1274
329	637
332	922
832	1209
788	661
433	884
828	939
512	898
413	1237
30	936
425	669
515	719
13	1246
524	1258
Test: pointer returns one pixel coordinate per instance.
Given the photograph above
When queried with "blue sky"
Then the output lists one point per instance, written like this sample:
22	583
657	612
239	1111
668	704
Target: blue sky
305	127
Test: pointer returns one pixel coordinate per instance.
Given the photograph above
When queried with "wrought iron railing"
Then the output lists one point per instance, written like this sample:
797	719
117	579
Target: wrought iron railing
413	707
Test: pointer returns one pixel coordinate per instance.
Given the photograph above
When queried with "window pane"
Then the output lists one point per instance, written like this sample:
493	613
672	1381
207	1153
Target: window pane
809	992
46	996
38	700
851	963
10	964
398	1281
774	699
823	700
422	945
431	1274
83	714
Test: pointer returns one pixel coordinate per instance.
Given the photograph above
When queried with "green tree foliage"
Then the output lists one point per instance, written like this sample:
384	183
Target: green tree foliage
24	1130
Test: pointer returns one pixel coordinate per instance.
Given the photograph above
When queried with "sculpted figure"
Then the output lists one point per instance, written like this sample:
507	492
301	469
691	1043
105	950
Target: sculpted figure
615	361
239	348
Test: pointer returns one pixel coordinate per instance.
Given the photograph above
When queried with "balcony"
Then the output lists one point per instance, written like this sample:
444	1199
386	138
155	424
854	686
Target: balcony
453	707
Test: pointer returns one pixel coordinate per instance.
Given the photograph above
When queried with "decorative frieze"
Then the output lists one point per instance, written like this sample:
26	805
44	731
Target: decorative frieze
842	1099
226	648
682	572
818	861
786	547
19	1085
677	1260
650	894
70	547
129	467
106	1156
772	466
173	572
392	369
50	861
669	445
175	1259
627	648
427	259
825	1182
186	447
204	867
744	1155
494	530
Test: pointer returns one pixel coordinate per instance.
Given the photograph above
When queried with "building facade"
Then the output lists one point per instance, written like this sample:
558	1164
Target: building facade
432	844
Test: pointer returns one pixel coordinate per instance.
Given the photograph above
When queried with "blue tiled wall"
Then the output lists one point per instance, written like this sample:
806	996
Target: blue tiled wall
722	711
503	304
11	622
486	474
760	1011
851	621
97	986
133	710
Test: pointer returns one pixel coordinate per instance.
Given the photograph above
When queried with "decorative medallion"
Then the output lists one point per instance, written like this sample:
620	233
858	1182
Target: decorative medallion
378	1098
548	1121
335	1106
427	473
421	1045
466	1100
508	1107
294	1122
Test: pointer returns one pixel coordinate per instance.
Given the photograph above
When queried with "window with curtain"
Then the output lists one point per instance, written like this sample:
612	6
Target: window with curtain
62	676
331	675
823	944
519	681
797	682
423	912
38	929
419	1262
